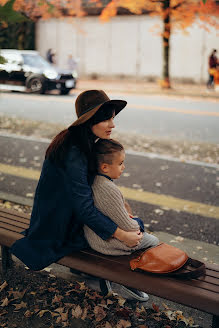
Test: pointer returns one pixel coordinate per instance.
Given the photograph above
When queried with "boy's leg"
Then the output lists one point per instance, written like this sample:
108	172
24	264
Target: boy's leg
148	240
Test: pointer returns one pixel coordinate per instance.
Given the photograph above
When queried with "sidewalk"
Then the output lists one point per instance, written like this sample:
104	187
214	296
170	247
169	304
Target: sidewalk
133	86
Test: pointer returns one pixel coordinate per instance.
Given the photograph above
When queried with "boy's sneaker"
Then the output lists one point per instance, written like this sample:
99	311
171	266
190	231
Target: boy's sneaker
108	288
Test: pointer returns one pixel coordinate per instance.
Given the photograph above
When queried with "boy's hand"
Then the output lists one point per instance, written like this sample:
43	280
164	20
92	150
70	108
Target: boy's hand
129	238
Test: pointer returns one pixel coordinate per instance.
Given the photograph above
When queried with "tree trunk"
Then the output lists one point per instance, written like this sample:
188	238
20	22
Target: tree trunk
166	44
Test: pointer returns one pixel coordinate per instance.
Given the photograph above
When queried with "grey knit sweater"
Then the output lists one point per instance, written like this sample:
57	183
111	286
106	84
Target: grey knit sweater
109	200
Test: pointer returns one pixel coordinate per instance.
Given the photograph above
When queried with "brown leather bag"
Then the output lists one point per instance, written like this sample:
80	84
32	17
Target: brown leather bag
168	260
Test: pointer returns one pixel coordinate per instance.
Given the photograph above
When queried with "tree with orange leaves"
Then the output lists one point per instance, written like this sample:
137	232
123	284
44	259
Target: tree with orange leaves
178	14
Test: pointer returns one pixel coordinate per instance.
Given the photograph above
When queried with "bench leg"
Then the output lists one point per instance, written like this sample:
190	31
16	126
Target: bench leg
7	261
215	321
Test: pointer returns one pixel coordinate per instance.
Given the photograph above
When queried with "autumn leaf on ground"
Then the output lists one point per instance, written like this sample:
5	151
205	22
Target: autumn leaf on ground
20	306
121	300
123	313
64	315
42	312
84	315
28	314
82	285
99	313
123	324
5	284
108	325
5	302
57	299
16	295
77	312
155	307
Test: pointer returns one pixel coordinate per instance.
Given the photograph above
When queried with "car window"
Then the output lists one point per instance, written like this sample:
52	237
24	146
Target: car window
35	61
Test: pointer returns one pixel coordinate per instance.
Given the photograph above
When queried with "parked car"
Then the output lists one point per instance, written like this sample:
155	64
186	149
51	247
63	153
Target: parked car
26	70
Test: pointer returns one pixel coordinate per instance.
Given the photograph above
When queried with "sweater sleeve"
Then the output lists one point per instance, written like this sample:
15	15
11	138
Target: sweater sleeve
109	200
82	198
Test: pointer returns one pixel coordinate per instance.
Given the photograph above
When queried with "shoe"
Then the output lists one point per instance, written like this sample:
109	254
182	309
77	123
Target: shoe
129	293
105	287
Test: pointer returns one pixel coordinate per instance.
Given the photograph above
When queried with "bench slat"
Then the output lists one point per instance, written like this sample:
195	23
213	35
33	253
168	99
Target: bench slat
15	213
15	217
15	223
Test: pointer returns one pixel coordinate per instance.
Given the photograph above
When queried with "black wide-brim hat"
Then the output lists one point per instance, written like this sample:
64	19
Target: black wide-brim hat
90	101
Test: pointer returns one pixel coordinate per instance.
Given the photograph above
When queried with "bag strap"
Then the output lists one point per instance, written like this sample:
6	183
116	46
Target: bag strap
199	270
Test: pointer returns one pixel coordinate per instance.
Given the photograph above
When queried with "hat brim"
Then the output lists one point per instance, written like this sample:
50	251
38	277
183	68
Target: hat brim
119	105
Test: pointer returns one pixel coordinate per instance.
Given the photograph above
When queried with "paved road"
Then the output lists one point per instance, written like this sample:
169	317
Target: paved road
191	209
157	116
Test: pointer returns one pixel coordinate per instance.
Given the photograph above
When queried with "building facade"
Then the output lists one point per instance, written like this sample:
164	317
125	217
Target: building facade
127	46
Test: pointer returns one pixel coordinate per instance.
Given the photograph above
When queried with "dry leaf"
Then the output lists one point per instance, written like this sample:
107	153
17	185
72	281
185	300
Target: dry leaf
155	307
64	316
99	312
57	299
123	324
121	300
5	284
84	315
28	314
108	325
82	285
42	312
77	312
20	306
5	302
59	310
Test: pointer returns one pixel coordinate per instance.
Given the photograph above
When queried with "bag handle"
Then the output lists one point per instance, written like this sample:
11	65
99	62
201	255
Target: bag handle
199	270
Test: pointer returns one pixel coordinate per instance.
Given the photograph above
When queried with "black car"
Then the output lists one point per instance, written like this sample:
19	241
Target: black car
26	70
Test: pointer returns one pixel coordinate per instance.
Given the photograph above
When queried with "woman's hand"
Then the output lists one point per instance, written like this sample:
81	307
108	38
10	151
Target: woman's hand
130	238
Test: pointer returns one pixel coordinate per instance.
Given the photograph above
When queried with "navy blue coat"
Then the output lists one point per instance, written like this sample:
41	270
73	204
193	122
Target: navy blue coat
63	203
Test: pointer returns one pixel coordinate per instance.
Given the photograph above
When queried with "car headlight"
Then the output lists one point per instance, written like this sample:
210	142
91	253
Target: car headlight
50	74
75	74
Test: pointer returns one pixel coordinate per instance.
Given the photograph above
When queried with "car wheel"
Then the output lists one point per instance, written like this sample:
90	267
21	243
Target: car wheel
64	91
36	85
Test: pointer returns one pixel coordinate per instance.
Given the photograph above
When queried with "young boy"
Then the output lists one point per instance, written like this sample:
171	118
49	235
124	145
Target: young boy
110	156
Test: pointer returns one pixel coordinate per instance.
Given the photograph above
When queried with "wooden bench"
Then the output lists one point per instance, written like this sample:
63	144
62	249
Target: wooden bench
201	293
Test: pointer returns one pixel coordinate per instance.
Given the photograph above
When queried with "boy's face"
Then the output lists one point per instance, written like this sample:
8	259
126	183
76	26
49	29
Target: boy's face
115	169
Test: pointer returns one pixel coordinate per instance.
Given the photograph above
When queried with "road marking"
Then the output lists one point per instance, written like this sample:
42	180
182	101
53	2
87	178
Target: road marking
56	98
174	110
132	194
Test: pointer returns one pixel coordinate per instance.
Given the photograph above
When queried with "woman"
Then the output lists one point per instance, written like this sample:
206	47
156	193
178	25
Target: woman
63	200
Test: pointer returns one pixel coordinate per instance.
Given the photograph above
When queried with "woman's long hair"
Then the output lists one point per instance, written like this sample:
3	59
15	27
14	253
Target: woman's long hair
80	135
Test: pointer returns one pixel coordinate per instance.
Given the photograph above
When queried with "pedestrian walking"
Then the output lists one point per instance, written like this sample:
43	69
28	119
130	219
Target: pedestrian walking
212	66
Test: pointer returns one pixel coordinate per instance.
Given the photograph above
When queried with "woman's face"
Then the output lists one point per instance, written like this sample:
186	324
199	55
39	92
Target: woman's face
103	129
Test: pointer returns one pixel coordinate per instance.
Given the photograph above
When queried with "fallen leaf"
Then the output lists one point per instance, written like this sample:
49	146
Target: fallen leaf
20	306
84	315
5	302
42	312
77	312
121	300
57	299
28	314
99	312
5	284
123	324
64	315
155	307
108	325
82	285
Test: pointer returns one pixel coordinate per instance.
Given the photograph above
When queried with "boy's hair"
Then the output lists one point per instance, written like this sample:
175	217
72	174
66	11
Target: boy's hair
104	150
